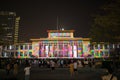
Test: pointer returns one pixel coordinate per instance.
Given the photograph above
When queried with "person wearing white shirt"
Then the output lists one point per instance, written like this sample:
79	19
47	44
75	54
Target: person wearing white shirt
53	65
75	67
27	72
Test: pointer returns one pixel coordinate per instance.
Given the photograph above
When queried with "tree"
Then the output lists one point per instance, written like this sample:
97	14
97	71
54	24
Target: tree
106	28
106	25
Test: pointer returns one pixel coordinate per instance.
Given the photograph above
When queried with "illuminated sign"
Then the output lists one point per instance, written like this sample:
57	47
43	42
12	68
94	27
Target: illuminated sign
59	34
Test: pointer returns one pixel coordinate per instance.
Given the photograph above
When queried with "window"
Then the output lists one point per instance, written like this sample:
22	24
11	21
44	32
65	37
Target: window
25	54
12	54
17	47
26	47
30	47
16	54
101	53
106	53
91	47
21	47
30	54
21	53
101	46
106	46
60	47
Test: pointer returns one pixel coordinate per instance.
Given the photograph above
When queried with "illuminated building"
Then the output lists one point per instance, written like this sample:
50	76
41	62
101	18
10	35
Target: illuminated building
59	44
18	50
102	49
10	24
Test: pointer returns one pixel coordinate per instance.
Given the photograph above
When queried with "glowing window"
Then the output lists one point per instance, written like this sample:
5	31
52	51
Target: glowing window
21	53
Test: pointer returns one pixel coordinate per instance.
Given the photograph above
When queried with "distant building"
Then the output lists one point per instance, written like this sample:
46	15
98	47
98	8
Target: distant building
10	24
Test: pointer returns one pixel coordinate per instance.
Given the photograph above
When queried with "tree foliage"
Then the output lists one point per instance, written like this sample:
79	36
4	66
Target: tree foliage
106	25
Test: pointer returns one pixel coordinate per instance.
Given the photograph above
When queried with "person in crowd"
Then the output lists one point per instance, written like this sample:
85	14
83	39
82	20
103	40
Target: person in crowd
15	70
79	63
52	65
27	71
48	64
111	75
85	62
0	64
61	63
90	64
71	68
39	63
8	69
82	63
75	67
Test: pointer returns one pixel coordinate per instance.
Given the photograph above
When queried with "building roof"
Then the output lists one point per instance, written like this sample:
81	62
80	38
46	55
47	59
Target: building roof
60	39
60	31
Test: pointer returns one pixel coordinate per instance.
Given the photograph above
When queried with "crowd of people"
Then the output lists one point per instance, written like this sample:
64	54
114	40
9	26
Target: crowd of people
12	65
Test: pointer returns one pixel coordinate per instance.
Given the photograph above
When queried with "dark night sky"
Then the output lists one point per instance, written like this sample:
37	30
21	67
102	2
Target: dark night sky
37	16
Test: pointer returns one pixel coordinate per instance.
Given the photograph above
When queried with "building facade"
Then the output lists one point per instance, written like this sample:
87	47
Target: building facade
18	50
9	22
59	44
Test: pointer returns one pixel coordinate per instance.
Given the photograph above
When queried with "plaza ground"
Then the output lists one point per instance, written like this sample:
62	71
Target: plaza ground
43	73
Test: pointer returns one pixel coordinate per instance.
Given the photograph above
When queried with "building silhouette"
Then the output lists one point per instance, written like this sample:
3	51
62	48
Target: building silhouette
9	22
